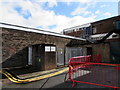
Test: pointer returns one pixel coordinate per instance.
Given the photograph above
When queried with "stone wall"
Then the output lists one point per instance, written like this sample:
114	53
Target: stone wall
16	40
17	60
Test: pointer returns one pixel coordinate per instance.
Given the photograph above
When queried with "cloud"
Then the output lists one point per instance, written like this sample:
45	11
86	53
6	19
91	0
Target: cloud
83	7
31	13
104	5
84	1
74	21
9	15
97	12
52	4
25	13
78	11
107	14
81	1
106	0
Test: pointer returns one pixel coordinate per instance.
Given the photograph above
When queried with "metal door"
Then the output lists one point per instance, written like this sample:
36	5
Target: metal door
60	56
115	52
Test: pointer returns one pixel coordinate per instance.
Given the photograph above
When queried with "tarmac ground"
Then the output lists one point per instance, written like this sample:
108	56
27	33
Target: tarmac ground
58	81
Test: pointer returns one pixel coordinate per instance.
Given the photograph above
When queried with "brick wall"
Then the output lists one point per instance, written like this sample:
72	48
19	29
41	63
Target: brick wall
102	49
102	26
77	33
106	25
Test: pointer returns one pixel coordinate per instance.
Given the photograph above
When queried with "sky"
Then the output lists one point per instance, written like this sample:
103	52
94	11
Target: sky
56	15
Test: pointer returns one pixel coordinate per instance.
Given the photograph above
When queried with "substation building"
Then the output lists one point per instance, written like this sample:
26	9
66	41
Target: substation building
43	50
36	50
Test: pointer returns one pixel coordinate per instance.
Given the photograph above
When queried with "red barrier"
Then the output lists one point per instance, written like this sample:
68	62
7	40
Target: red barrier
82	70
96	58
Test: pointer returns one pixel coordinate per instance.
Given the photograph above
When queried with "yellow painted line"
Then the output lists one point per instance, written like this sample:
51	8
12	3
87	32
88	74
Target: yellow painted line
49	75
15	80
11	79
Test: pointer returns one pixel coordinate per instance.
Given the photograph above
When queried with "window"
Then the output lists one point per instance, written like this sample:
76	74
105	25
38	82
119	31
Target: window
50	48
53	49
94	30
117	25
30	55
47	48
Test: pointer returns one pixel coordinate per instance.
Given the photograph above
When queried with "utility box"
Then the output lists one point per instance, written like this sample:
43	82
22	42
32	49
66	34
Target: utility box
117	25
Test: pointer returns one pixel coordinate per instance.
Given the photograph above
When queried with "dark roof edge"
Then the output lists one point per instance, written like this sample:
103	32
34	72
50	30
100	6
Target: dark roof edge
105	19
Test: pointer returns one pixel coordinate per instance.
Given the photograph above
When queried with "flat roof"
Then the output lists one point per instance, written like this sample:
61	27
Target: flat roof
79	26
34	30
106	19
88	24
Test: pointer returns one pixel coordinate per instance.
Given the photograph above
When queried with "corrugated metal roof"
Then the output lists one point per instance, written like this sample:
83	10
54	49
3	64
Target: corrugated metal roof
34	30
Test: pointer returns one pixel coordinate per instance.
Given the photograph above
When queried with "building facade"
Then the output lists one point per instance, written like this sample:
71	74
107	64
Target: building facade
36	49
80	31
108	32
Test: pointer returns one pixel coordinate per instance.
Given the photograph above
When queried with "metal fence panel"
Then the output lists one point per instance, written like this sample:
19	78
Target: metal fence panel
73	52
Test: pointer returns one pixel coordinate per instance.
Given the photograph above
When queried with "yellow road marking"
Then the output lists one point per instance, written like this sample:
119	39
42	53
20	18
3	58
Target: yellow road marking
15	80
